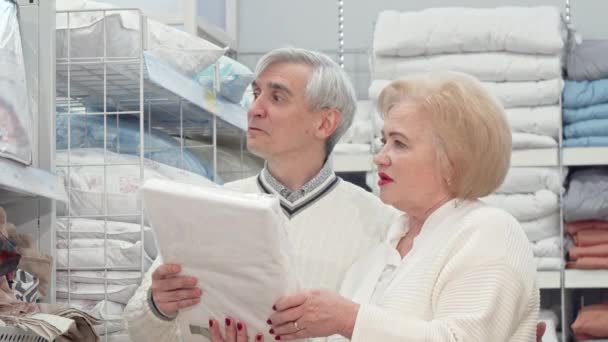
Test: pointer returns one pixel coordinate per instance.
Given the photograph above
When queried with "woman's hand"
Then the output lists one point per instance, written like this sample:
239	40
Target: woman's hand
313	313
235	331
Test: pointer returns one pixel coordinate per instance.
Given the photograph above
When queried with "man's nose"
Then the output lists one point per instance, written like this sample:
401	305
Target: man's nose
257	109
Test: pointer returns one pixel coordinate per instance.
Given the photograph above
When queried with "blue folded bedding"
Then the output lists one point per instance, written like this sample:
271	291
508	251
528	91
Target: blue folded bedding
587	60
586	142
587	113
579	94
589	128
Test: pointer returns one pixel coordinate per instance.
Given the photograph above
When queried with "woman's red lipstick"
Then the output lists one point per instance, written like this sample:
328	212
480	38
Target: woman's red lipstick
384	179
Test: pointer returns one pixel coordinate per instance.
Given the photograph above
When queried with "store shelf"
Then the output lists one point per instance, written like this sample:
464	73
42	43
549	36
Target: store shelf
586	279
574	156
535	157
17	180
548	279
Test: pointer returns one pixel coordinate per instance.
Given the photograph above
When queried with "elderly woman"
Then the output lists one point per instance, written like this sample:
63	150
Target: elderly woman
453	268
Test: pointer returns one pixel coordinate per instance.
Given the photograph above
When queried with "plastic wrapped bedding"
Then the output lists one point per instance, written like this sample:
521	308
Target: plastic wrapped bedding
525	207
15	116
510	94
123	137
589	128
532	179
579	94
116	293
90	253
587	60
99	277
487	66
79	228
243	249
234	78
108	311
528	30
185	53
122	182
545	120
587	195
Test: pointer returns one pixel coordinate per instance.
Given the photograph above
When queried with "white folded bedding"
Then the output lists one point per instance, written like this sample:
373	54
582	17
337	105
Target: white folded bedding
549	264
549	247
525	207
524	141
110	312
116	293
91	253
530	30
544	120
486	66
542	228
509	94
532	179
99	277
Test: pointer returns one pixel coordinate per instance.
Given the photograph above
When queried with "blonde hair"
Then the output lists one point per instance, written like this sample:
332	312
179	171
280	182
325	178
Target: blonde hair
469	126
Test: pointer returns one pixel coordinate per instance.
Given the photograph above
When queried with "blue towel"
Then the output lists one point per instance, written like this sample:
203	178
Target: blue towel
586	142
579	94
584	114
589	128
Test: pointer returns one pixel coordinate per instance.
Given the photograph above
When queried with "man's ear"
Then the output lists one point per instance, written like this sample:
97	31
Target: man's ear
329	121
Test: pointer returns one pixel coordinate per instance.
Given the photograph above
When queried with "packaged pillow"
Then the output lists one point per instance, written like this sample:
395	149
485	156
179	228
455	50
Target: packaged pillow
234	78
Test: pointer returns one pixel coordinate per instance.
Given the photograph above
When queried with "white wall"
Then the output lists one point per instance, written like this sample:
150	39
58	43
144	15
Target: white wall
313	24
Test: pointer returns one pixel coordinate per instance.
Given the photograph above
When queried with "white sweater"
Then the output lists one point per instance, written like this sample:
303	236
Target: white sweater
328	234
469	277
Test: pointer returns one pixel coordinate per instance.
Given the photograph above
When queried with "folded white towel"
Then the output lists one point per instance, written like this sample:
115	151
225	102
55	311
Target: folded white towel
434	31
542	228
544	120
532	179
549	264
526	207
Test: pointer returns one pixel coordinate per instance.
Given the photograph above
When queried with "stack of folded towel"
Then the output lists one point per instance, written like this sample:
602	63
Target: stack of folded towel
586	95
515	52
531	195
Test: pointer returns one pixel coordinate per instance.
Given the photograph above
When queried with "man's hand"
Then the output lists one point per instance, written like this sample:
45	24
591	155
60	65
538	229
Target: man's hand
171	291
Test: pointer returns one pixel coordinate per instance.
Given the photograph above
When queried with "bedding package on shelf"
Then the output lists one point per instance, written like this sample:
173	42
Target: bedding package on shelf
24	278
15	116
522	70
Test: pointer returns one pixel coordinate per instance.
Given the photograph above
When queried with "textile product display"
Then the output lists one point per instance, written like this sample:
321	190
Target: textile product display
234	78
100	277
81	331
123	136
585	60
580	251
237	255
116	293
531	179
488	66
525	207
15	116
98	229
47	326
549	264
591	322
587	195
586	142
549	247
542	228
509	94
526	30
576	226
525	141
587	128
90	253
25	287
184	52
545	120
580	94
121	182
107	311
591	237
594	112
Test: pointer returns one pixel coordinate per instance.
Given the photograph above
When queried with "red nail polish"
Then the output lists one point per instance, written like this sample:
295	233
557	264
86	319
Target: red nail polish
274	307
278	338
271	331
210	323
239	326
258	338
227	321
269	322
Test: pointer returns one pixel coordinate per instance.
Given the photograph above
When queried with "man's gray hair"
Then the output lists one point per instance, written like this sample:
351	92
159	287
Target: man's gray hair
328	87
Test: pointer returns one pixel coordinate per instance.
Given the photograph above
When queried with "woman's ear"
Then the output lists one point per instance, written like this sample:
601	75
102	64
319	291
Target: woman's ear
329	121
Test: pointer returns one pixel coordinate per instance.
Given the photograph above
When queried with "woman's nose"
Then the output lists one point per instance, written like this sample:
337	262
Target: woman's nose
381	159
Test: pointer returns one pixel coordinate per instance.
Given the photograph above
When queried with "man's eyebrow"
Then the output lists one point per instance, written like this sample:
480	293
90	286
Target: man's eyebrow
279	86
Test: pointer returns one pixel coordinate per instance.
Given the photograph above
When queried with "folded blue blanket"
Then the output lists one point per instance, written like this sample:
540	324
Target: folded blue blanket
579	94
589	128
586	142
584	114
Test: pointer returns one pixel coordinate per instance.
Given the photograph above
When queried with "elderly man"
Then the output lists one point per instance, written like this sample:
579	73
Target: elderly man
304	102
